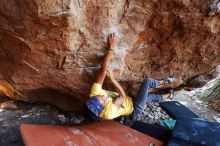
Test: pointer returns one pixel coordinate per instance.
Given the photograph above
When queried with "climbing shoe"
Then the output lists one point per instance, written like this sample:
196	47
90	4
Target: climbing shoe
169	79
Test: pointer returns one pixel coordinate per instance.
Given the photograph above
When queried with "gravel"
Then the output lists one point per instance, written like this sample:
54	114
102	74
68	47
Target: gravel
153	113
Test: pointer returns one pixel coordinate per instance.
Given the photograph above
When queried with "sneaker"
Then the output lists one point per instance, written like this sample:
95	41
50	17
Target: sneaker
169	79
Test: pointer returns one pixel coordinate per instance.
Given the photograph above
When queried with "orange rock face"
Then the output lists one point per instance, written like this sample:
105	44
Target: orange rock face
51	50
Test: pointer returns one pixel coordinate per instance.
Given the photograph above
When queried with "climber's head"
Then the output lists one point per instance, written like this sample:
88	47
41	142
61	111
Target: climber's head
96	104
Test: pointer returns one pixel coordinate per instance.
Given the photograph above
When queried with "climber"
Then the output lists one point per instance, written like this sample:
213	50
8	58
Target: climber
109	105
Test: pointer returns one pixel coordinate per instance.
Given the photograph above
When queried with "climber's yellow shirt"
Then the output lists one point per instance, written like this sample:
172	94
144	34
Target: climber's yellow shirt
110	111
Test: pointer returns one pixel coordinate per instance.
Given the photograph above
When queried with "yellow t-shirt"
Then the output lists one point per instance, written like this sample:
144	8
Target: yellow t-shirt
110	111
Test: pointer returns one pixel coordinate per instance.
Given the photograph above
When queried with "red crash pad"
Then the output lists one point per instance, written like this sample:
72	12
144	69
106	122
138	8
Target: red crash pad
105	133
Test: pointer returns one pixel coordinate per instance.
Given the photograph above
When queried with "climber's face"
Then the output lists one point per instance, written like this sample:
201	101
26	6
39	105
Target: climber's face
102	99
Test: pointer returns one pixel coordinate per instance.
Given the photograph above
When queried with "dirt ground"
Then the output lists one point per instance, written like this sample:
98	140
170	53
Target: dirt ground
197	105
40	113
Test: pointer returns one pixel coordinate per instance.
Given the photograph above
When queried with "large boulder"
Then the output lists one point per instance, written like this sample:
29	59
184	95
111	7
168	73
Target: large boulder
52	49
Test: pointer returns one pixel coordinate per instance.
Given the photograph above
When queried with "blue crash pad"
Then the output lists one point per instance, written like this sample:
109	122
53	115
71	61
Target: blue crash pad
195	132
177	110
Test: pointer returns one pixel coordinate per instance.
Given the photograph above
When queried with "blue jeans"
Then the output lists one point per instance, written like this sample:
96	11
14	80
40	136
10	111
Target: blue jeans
144	97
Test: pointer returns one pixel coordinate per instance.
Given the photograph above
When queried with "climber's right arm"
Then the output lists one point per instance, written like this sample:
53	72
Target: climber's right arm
102	73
